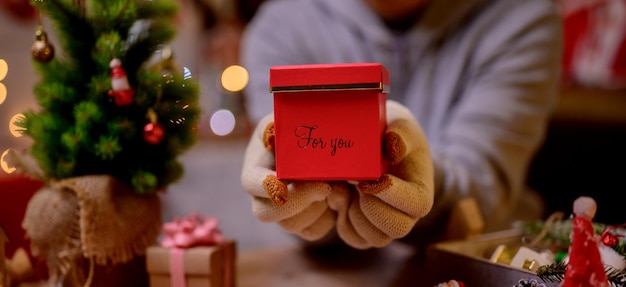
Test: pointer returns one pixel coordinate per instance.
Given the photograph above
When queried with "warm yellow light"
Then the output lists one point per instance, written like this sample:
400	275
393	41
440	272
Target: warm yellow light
4	164
234	78
3	93
4	69
13	128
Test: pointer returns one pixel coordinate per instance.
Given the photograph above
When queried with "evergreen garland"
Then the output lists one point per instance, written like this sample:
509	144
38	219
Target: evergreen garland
78	130
555	272
555	235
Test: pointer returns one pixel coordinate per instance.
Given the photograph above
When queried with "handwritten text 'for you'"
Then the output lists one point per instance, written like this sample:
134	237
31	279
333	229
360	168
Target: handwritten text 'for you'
306	139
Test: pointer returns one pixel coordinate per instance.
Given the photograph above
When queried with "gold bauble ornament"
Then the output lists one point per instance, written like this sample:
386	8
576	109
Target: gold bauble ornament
42	50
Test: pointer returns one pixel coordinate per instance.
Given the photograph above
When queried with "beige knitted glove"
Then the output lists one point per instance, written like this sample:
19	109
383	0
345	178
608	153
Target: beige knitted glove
373	213
299	207
368	214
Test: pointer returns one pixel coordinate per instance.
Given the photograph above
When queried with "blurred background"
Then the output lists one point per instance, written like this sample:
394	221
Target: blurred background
584	152
206	44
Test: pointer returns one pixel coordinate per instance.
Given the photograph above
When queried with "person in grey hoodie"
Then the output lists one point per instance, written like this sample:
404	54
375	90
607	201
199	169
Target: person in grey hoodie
480	76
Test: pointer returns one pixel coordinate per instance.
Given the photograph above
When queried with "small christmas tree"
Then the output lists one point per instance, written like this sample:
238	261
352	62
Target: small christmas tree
115	112
112	99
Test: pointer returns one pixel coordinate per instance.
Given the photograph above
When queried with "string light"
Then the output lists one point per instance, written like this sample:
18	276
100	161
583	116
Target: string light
4	70
4	165
15	130
3	93
235	78
186	73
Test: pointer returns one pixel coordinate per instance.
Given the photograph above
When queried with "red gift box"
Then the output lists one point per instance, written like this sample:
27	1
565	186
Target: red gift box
329	120
15	194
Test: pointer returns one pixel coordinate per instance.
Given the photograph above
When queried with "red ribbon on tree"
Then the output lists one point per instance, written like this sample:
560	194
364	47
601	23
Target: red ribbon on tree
609	239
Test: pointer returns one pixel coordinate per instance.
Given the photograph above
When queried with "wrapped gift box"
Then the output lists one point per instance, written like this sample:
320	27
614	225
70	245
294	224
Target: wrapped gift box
16	190
471	261
203	266
329	120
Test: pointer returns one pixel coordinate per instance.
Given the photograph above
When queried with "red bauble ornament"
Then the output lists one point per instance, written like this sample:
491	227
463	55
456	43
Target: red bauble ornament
610	240
153	133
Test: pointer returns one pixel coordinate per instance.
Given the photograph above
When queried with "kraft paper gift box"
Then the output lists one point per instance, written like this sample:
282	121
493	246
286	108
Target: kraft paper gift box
203	266
329	120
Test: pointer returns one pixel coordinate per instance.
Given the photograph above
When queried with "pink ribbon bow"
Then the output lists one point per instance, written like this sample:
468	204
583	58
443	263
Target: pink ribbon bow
187	232
191	231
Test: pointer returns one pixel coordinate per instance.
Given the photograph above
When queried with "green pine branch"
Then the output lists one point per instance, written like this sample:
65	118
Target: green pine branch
76	37
556	236
555	272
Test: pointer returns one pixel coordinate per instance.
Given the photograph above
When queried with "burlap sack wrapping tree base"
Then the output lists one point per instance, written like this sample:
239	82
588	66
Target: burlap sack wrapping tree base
93	223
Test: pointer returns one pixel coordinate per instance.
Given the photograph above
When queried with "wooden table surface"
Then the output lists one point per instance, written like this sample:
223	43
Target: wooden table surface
394	266
296	266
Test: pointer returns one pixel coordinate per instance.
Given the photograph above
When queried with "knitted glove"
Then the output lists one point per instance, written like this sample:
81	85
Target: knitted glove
373	213
299	207
368	213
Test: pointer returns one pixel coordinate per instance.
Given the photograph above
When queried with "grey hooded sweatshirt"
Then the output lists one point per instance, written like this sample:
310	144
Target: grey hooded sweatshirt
481	77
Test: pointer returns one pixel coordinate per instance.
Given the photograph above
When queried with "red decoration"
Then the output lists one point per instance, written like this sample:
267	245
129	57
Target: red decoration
594	48
609	239
585	267
121	91
153	133
16	190
329	120
122	98
20	9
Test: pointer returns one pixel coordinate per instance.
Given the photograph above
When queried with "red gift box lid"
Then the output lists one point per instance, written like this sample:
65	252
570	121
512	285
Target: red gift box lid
329	77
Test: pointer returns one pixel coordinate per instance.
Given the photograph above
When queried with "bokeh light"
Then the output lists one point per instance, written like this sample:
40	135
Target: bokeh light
15	130
3	163
4	69
222	122
234	78
3	93
186	73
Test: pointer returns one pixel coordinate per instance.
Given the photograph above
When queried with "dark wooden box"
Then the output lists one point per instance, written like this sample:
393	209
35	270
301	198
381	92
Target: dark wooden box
468	261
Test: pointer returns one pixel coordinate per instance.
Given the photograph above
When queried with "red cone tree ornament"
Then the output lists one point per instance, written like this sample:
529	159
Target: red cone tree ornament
585	267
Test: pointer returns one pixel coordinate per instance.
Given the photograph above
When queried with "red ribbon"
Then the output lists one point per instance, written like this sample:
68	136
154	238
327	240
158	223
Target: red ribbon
188	232
609	239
